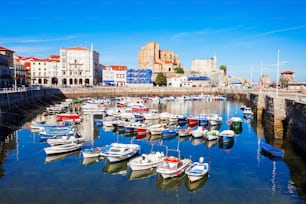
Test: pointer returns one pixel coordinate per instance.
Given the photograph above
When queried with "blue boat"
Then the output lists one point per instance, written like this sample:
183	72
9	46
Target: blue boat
271	150
170	131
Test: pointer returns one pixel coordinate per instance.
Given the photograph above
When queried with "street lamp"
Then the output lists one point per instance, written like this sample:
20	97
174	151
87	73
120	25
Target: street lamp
15	76
277	73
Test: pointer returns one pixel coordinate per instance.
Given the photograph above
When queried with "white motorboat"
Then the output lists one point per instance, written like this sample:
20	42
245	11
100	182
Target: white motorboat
146	161
184	132
199	132
197	170
92	152
226	135
248	111
212	135
64	140
58	149
118	151
173	166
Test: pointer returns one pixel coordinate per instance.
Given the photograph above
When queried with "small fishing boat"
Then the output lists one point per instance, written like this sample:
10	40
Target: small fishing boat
235	122
169	131
211	135
199	132
193	121
173	166
184	132
146	161
64	140
197	170
58	149
248	113
118	151
91	152
271	150
226	135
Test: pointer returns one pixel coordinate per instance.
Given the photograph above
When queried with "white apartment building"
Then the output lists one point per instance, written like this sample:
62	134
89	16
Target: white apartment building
114	75
44	72
79	66
178	80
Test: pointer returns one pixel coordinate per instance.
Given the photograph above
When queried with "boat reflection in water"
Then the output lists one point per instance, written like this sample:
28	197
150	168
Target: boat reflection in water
194	186
91	160
196	141
151	138
116	168
142	174
169	183
57	157
182	139
228	145
210	143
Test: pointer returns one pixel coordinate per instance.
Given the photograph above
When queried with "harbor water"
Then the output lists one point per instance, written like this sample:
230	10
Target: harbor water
239	172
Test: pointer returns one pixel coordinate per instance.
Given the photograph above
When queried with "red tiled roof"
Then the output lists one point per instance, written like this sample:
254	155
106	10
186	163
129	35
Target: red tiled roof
54	57
46	60
5	49
118	68
76	48
27	64
29	58
287	72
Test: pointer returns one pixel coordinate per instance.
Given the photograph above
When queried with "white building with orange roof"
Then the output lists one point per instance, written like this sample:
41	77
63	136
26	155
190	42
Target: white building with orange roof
178	80
26	61
44	72
114	75
79	66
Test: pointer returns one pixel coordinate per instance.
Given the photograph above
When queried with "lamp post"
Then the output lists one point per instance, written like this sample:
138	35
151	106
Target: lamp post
15	76
277	73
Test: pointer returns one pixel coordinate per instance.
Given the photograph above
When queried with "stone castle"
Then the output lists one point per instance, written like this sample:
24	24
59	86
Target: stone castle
151	57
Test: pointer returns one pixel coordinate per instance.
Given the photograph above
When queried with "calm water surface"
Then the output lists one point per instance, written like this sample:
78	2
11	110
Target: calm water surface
239	173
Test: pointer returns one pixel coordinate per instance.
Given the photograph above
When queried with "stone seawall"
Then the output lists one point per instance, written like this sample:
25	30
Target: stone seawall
295	124
145	91
17	106
282	118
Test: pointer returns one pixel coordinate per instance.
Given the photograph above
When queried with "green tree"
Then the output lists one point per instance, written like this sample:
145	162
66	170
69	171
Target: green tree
224	68
179	70
161	79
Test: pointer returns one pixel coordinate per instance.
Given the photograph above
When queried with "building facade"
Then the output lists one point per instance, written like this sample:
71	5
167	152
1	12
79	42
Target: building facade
139	77
151	57
45	72
79	66
6	67
114	75
178	80
204	66
20	72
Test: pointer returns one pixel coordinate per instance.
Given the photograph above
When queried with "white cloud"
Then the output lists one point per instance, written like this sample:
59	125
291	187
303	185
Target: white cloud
36	40
282	30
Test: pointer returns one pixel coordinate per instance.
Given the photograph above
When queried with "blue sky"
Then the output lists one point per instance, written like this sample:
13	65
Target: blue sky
242	33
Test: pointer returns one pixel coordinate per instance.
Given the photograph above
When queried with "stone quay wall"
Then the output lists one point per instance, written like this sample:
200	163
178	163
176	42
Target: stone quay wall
149	91
17	105
283	117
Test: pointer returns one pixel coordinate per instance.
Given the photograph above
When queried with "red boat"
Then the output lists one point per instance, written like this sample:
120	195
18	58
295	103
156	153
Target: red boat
193	121
141	130
68	117
139	109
